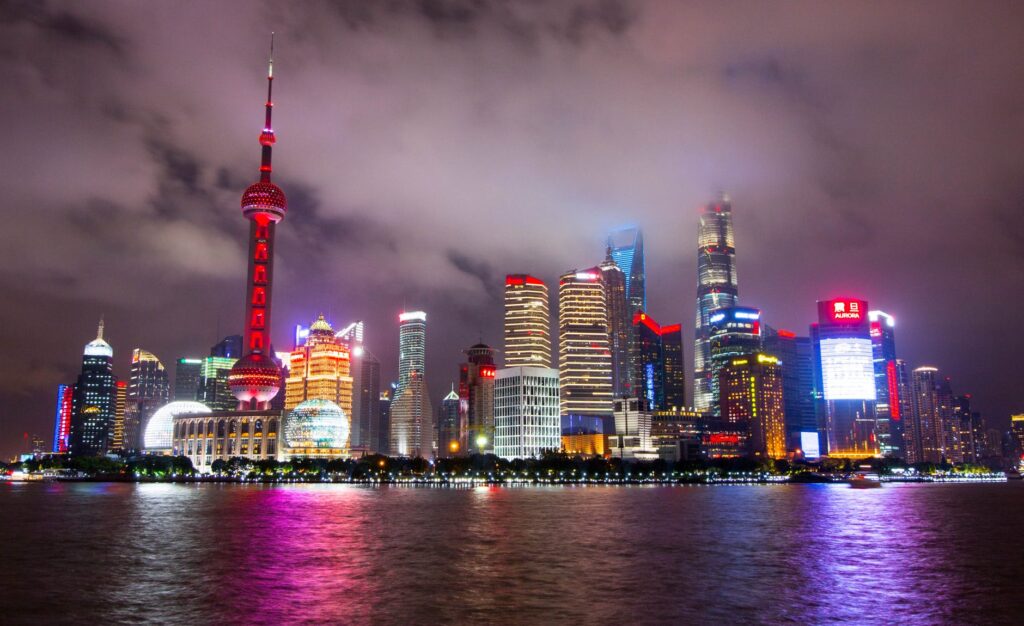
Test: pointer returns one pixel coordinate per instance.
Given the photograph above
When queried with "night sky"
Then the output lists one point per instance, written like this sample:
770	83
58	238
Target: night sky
871	149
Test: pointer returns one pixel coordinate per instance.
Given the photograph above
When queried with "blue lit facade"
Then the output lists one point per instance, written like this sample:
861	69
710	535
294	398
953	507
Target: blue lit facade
732	332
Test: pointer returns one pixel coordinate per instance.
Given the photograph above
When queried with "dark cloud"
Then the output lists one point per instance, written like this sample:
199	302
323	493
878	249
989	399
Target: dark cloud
428	148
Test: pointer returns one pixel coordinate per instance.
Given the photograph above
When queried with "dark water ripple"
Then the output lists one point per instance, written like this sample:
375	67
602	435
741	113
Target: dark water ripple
799	554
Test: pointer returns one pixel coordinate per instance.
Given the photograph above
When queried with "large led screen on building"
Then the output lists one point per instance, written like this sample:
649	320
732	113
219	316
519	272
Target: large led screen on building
847	370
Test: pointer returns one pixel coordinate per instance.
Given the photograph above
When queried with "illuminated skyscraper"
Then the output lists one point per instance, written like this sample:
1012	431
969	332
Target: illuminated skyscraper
846	371
320	369
626	248
476	400
717	288
118	442
255	379
752	398
887	406
797	359
732	332
450	437
412	427
62	420
214	384
148	390
929	413
527	322
526	412
648	359
187	374
365	398
584	356
675	372
94	401
620	327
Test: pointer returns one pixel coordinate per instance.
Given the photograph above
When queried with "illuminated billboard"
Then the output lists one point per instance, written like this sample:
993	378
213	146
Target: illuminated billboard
844	310
847	368
809	444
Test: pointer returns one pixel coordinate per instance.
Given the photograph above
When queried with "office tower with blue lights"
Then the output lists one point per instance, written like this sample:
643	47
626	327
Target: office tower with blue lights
887	405
717	288
626	249
584	353
796	357
449	435
845	378
619	325
648	357
732	332
94	400
412	419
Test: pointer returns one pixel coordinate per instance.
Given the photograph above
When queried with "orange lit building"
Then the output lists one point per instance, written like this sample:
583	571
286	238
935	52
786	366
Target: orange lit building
320	369
750	392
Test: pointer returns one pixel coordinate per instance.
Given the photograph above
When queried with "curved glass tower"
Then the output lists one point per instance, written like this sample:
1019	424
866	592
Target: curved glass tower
716	288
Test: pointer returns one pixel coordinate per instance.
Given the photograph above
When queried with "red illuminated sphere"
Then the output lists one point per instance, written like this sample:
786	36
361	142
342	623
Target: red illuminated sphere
254	377
265	198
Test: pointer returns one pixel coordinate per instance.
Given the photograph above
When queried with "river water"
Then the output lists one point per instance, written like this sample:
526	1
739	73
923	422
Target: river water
98	553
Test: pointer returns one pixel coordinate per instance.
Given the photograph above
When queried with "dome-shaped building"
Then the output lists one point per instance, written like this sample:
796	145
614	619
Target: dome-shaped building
160	429
317	428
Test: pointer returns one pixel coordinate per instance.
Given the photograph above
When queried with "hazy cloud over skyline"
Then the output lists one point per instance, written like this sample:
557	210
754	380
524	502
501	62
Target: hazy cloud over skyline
428	148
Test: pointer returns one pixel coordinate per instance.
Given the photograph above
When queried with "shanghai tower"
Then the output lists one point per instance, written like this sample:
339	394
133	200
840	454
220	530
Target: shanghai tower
716	288
255	378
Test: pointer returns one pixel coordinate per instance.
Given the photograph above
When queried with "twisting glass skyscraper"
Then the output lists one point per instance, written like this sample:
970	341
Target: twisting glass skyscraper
626	248
716	288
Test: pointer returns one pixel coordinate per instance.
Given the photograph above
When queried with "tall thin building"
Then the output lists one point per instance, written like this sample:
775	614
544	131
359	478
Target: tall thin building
149	389
648	357
717	288
675	372
62	420
94	400
119	442
366	399
449	435
584	354
412	428
620	327
887	406
527	322
384	420
476	399
255	378
929	427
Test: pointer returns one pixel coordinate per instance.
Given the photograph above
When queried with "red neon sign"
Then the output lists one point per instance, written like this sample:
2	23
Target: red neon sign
894	391
724	439
846	310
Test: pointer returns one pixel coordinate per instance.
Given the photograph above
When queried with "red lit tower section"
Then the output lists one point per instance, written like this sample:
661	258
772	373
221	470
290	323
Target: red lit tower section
255	378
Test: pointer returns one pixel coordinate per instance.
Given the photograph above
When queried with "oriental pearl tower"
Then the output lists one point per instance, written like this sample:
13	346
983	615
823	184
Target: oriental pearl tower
255	378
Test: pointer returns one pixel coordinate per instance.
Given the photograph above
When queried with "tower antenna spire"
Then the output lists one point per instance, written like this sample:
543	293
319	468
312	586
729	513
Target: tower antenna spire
267	138
99	330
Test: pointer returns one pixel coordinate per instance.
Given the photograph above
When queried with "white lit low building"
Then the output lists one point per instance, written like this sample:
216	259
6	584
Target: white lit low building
526	412
632	438
225	434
